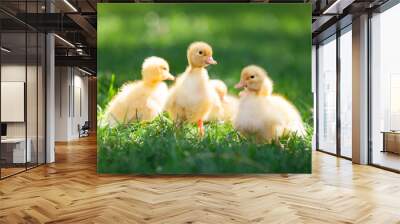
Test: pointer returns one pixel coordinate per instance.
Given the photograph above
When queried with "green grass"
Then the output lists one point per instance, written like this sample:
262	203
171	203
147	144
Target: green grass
159	147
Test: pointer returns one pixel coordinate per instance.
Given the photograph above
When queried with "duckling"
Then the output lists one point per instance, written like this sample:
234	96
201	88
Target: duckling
229	103
144	99
262	114
192	97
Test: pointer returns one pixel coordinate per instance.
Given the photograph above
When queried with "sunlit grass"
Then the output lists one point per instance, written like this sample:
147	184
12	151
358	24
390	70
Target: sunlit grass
161	147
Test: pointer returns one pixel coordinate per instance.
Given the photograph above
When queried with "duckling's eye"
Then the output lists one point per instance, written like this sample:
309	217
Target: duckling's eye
252	76
200	52
164	68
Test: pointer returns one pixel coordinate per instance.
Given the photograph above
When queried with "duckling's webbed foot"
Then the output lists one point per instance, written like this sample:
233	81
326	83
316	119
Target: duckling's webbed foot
200	126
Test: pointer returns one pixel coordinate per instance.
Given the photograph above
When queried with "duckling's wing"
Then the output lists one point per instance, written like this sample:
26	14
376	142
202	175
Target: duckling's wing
161	95
294	123
171	97
117	108
172	91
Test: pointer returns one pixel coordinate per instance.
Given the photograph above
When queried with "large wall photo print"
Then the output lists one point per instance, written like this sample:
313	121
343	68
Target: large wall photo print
204	88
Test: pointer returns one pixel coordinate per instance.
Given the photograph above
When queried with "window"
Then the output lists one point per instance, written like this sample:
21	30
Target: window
327	95
22	77
346	92
385	89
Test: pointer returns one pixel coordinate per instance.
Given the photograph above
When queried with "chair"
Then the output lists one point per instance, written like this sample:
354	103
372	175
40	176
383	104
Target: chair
84	130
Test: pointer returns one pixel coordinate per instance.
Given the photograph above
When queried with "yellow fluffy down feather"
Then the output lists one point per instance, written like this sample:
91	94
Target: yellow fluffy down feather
192	97
144	99
229	104
261	114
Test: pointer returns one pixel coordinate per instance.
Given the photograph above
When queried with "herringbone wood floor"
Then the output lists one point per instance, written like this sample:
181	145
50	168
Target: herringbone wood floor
70	191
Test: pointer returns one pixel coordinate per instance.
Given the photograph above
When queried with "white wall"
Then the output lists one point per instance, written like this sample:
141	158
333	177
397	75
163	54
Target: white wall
33	126
13	101
71	93
62	81
80	100
12	73
16	73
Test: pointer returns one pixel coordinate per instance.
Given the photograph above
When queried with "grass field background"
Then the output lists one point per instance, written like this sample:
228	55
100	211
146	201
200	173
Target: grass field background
274	36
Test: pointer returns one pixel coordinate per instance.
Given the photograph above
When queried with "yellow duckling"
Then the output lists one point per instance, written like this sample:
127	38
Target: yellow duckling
262	114
229	103
192	97
144	99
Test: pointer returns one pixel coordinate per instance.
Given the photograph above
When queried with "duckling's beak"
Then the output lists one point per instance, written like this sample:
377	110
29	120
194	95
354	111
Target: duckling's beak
168	76
240	85
210	60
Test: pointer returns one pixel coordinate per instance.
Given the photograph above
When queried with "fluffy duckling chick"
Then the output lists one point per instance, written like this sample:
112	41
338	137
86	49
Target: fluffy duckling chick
144	99
262	114
229	103
192	97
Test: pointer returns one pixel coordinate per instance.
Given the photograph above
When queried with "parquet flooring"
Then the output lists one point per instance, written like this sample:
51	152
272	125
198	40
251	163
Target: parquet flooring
70	191
10	171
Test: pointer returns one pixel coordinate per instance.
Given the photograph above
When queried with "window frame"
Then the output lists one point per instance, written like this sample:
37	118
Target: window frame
339	32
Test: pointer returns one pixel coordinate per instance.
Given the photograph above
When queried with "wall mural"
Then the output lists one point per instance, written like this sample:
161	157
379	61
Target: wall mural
204	88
